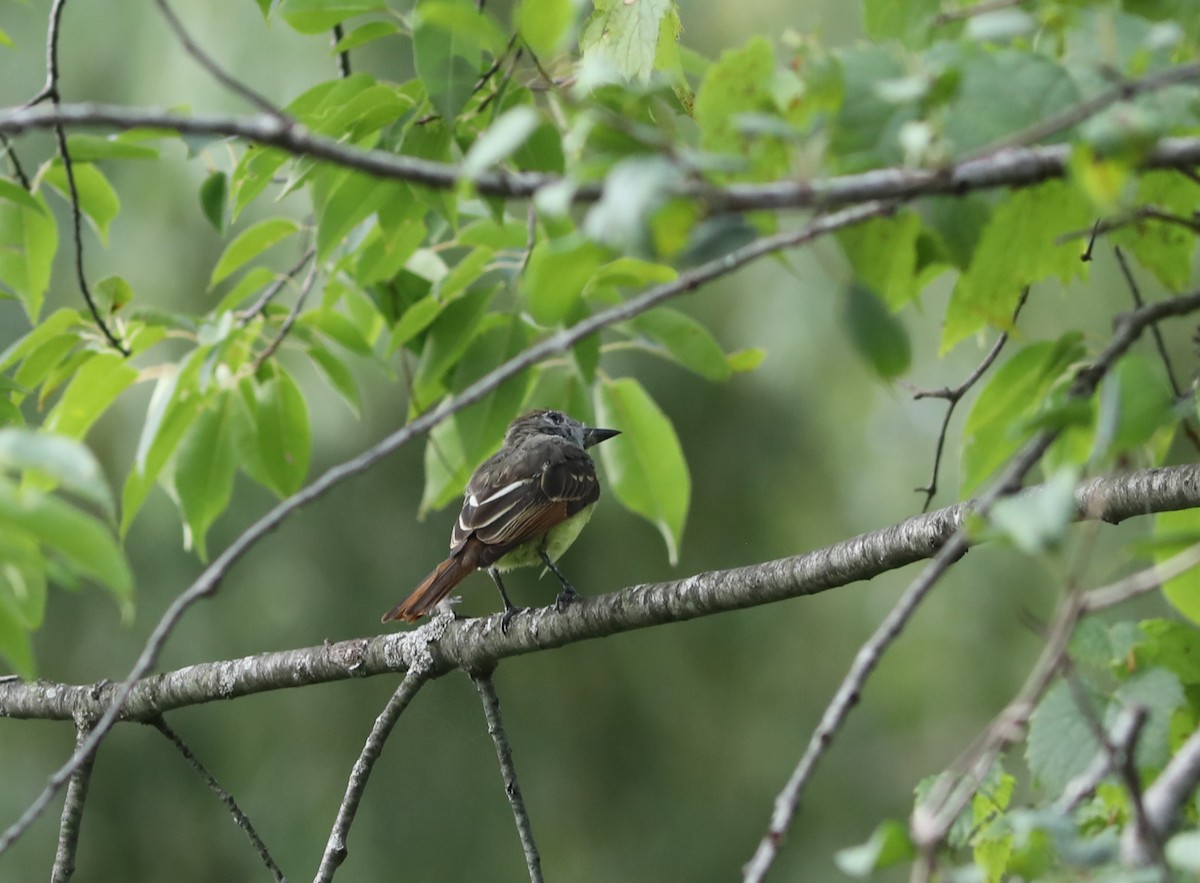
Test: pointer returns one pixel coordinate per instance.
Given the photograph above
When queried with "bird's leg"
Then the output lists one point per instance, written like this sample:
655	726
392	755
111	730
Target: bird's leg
510	610
568	594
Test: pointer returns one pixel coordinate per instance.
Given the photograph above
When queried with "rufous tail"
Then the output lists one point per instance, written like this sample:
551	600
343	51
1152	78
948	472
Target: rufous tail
432	589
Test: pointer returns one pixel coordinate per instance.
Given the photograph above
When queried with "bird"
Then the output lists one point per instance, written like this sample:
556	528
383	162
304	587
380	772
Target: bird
523	506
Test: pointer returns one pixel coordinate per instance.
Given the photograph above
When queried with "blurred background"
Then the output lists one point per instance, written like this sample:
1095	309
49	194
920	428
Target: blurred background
648	756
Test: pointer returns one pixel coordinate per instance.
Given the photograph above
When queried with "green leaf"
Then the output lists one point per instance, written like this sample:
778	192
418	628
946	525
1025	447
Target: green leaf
879	337
634	189
14	192
997	424
446	341
93	388
645	466
500	140
1017	248
448	52
86	148
746	360
1164	249
319	16
15	644
557	272
367	33
1036	520
889	20
82	540
1183	591
624	36
546	25
1160	693
97	198
888	846
283	433
112	293
65	460
250	243
739	83
169	416
1135	402
355	198
337	375
214	199
1060	744
883	253
686	341
28	241
1171	645
204	470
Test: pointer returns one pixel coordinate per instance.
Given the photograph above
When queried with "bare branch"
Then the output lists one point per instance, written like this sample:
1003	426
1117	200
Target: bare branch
476	644
305	287
343	57
508	772
274	288
72	814
1084	110
981	8
954	396
1017	167
335	849
77	232
1120	742
1164	799
239	817
1128	330
210	579
218	73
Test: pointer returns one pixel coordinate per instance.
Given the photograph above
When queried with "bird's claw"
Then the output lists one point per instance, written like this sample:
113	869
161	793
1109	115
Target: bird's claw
506	620
565	599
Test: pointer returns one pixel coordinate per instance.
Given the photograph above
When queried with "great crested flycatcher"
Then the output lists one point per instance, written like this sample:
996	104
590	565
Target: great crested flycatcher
524	506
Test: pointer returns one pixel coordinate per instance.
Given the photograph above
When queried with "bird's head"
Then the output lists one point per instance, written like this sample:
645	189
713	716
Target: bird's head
547	422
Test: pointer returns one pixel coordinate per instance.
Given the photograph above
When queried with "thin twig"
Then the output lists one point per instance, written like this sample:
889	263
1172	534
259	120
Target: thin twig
508	772
50	91
77	232
1135	216
218	73
1165	799
239	817
335	848
1121	739
11	153
954	396
1159	344
274	288
1128	330
305	287
343	57
72	814
1084	110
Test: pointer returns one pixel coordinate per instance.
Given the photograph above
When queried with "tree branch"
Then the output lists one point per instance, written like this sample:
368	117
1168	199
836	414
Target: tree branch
1128	329
72	814
335	849
210	579
1017	167
508	772
476	644
239	817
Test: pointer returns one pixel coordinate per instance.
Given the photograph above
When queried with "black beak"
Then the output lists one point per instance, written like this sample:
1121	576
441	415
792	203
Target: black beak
592	436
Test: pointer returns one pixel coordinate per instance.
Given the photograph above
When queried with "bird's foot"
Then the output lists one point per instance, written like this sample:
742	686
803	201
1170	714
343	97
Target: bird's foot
565	598
506	620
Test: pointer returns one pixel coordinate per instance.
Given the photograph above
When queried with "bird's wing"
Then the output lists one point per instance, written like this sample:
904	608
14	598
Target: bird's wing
519	498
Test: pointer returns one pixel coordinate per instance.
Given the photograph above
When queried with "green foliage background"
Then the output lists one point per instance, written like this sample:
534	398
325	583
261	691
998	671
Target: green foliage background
653	755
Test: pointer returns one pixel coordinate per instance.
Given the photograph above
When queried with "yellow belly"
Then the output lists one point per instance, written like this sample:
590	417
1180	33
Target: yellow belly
555	541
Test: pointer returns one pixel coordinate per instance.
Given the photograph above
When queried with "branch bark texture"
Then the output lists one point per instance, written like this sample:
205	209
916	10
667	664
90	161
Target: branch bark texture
477	644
